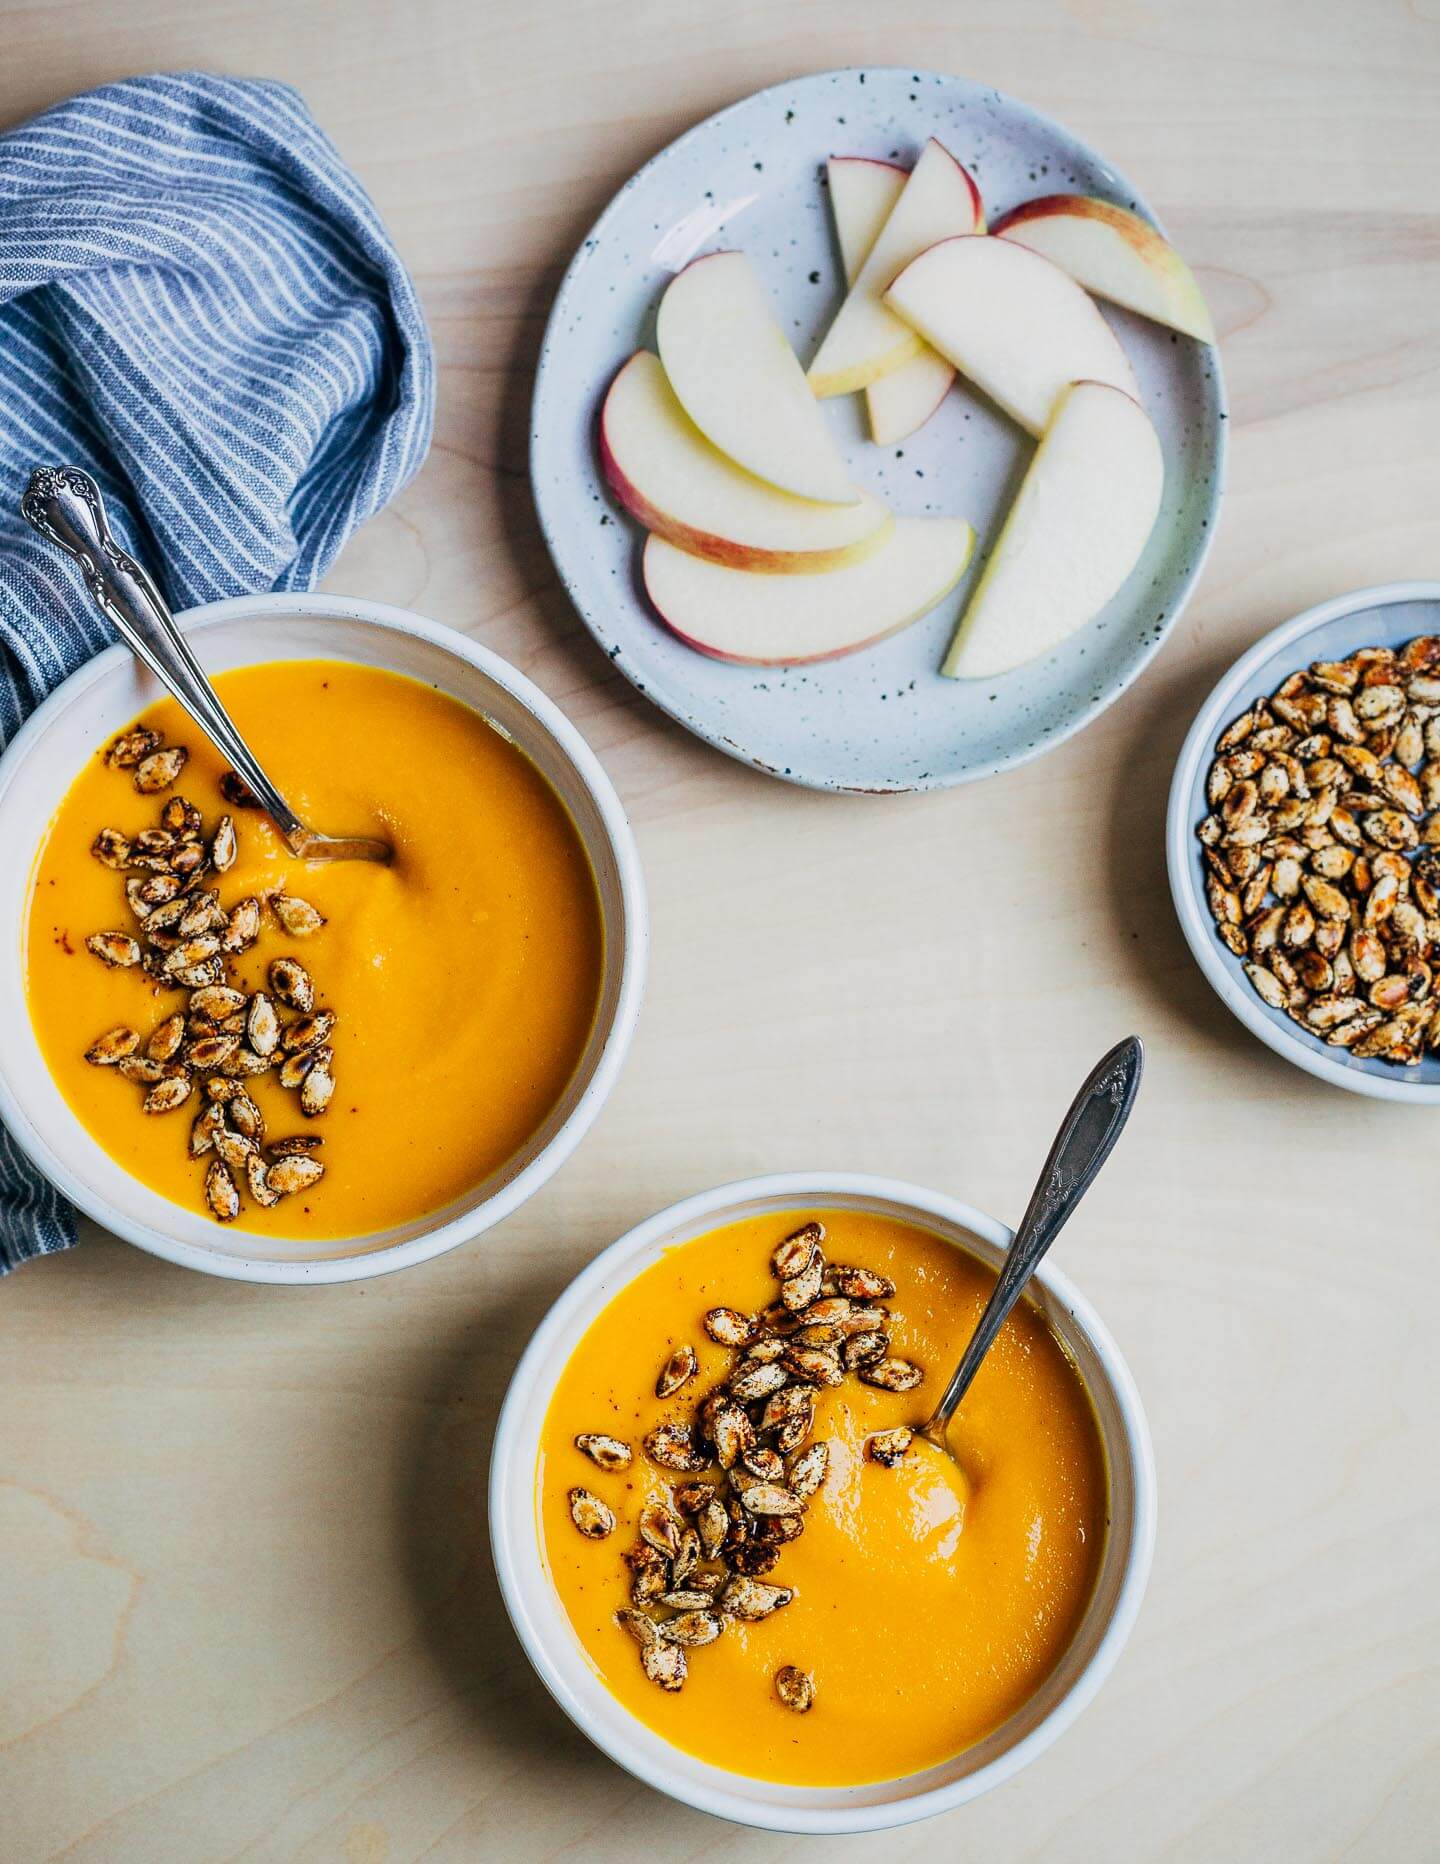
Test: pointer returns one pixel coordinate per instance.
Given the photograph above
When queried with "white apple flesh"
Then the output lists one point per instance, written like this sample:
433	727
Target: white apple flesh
1115	254
1073	535
667	475
867	341
784	621
736	376
862	194
1011	322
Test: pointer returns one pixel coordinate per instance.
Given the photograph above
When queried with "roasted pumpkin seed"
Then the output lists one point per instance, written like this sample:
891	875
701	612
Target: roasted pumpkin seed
299	918
159	770
889	1447
593	1518
608	1453
117	949
113	1047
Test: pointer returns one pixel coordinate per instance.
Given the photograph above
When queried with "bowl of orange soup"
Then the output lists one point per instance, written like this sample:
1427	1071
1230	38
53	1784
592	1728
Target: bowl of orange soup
301	1072
737	1569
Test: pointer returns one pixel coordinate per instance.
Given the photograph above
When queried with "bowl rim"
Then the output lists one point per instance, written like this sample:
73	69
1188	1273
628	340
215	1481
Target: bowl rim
1180	860
633	958
552	524
523	1395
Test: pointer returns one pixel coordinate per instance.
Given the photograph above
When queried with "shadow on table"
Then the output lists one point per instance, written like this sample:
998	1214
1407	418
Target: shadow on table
442	1528
1153	952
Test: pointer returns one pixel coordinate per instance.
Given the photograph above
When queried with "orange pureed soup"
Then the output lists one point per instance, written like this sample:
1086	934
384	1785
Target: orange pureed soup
465	976
927	1606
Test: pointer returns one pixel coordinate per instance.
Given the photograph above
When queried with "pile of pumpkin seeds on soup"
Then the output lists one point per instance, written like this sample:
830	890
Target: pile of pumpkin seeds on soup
206	1048
747	1465
1323	849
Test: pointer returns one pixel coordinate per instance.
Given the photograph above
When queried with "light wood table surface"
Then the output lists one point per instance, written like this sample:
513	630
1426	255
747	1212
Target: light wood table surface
247	1609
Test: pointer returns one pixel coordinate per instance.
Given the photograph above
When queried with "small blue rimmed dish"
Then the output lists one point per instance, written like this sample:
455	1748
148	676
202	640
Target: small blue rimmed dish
1386	616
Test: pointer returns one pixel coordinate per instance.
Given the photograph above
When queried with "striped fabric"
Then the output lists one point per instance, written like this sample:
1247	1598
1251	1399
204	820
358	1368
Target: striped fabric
200	305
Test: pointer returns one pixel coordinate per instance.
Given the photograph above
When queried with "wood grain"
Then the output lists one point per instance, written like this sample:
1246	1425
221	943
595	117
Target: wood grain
246	1605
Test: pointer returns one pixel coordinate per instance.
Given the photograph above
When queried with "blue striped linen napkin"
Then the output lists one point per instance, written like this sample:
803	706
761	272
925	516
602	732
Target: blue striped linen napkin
199	304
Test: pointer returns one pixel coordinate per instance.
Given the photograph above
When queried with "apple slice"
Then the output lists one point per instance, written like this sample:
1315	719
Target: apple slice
783	620
666	473
1074	533
1012	322
900	403
862	193
736	376
866	341
1115	254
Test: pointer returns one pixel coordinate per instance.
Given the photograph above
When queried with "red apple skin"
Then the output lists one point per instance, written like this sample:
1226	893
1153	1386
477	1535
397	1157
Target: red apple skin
977	204
880	161
873	161
737	660
1083	206
934	409
1143	239
724	549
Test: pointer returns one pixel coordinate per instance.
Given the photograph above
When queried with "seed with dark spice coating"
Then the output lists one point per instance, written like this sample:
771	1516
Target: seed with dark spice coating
294	1173
246	1118
294	1068
306	1031
132	747
793	1256
607	1453
105	1051
299	918
160	769
117	949
223	847
292	984
237	792
590	1514
112	848
244	926
257	1177
795	1688
302	1144
166	1096
677	1370
728	1327
221	1197
890	1446
892	1375
318	1087
262	1025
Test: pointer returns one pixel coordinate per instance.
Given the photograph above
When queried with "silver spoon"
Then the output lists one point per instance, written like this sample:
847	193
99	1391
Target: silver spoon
64	505
1086	1138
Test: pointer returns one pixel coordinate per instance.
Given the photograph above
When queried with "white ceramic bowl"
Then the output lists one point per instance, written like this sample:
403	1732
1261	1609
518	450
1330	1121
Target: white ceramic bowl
1386	616
95	703
552	1646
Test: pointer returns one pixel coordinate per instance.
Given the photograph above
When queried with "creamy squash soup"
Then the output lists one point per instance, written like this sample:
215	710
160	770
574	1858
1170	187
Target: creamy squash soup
311	1049
761	1560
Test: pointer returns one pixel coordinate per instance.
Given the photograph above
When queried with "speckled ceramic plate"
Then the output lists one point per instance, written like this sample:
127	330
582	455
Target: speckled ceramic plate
752	177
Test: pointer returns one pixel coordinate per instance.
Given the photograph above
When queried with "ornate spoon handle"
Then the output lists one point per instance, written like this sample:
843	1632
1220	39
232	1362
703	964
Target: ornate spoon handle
64	505
1085	1140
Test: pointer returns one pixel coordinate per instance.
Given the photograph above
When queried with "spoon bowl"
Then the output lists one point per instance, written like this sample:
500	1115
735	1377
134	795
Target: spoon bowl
63	504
